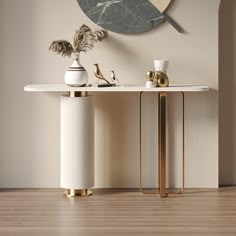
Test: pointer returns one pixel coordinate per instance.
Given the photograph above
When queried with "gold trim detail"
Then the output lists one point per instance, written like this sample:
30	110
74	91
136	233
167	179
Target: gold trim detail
78	192
77	68
75	94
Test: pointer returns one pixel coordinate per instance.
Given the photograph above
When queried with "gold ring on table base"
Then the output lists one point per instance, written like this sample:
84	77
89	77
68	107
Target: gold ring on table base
78	192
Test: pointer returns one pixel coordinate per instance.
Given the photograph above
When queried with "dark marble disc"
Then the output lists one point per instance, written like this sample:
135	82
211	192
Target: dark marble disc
122	16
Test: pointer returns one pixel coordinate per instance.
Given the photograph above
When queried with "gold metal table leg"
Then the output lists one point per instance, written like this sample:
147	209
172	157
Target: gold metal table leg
140	152
181	190
183	184
159	144
183	147
162	142
162	104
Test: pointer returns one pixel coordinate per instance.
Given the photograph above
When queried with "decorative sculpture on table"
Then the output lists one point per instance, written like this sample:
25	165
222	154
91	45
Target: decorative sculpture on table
150	77
161	79
114	78
158	78
98	74
84	40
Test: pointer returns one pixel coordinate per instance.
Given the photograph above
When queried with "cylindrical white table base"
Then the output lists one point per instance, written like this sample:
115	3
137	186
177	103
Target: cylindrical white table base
77	144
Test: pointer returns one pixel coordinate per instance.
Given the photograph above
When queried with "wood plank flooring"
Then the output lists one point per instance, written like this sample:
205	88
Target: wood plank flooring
117	212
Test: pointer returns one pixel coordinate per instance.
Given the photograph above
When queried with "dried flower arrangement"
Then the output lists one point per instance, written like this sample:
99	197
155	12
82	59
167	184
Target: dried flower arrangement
84	40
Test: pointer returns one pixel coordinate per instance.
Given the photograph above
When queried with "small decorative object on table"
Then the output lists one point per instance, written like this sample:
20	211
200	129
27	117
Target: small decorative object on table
161	79
84	40
98	74
158	78
150	78
114	78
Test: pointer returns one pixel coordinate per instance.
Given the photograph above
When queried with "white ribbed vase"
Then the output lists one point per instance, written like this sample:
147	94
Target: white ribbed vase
76	75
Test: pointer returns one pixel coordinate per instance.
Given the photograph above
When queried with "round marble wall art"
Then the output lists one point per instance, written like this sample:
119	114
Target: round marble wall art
125	16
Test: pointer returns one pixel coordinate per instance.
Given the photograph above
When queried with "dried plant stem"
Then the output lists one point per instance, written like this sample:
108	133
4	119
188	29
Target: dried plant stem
84	40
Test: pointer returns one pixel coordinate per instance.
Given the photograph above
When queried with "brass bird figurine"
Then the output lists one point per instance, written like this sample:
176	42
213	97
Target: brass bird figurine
98	74
114	78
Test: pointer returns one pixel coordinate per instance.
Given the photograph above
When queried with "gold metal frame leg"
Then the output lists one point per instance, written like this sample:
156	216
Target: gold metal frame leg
183	142
162	142
140	150
162	104
183	149
159	143
78	192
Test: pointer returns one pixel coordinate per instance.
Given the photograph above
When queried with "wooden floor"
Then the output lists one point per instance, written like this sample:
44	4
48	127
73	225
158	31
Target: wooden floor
115	212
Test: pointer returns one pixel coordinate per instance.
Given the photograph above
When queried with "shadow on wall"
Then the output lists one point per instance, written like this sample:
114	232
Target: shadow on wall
227	93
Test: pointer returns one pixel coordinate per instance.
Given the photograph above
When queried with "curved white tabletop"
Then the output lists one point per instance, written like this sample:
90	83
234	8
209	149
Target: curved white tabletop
123	88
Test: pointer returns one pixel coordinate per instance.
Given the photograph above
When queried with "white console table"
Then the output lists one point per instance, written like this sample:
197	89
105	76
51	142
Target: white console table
77	132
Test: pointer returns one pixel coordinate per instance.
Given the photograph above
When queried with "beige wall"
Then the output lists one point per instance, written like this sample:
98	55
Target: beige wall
29	138
227	86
